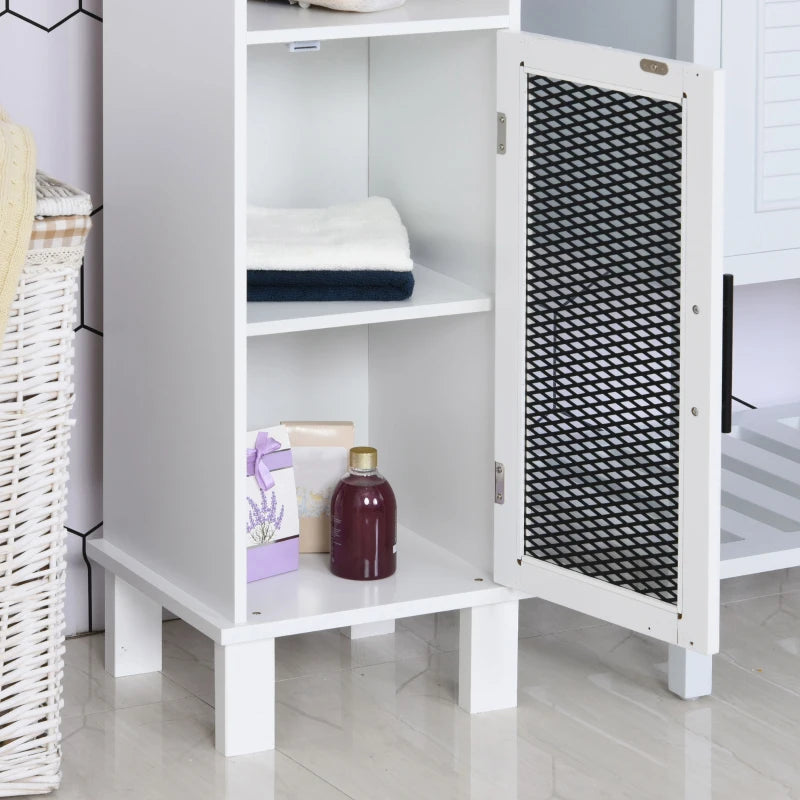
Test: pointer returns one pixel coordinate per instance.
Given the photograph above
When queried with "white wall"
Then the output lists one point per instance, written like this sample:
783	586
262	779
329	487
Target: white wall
51	81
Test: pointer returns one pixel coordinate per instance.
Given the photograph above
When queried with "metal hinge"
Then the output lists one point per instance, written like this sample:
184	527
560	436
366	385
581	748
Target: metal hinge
501	133
499	483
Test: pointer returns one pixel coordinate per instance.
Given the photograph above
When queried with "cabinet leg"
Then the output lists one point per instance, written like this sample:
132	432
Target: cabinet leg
487	657
369	629
244	697
688	673
133	630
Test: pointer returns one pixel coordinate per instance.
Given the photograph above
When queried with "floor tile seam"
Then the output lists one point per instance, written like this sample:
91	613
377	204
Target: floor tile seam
350	669
759	597
561	631
759	675
315	774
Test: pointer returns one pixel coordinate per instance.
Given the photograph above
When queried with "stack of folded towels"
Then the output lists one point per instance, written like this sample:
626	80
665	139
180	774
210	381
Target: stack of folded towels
357	251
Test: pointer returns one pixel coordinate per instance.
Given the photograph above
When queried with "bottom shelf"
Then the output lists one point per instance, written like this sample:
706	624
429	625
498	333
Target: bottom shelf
428	579
761	492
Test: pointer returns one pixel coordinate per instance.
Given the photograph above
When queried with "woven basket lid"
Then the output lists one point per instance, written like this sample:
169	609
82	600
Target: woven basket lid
57	199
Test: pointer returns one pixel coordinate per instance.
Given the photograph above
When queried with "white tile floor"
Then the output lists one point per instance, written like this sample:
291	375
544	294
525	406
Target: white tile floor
376	718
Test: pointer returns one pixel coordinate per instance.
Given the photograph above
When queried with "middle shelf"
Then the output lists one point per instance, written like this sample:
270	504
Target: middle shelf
435	295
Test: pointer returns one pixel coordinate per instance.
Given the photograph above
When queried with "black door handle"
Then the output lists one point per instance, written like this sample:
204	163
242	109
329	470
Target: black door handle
727	352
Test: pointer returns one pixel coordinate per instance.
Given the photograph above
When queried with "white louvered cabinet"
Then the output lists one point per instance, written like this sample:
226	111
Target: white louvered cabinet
760	52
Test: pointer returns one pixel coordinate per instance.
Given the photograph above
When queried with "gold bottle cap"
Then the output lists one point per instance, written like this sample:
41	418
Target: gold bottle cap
363	458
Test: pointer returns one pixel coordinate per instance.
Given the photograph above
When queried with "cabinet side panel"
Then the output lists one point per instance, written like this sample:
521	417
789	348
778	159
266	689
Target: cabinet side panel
174	291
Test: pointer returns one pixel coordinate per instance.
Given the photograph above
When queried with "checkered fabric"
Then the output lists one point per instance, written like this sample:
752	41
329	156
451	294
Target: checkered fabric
57	232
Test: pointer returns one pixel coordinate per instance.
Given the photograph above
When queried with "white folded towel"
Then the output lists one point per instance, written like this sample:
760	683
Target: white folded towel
364	235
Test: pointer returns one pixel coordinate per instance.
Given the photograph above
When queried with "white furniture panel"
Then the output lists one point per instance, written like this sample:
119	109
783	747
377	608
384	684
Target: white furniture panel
432	152
647	27
174	360
435	295
310	375
321	125
761	58
428	579
430	402
280	22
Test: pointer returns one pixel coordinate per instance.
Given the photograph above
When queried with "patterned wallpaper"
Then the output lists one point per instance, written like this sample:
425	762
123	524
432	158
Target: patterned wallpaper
51	81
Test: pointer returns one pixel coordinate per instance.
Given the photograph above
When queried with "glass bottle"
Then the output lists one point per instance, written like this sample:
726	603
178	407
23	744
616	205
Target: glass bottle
363	521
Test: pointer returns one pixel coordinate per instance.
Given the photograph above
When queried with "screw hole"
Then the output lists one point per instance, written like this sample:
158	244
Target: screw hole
256	613
479	580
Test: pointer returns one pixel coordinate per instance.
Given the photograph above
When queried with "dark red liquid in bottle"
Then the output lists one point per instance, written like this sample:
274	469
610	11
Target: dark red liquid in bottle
363	524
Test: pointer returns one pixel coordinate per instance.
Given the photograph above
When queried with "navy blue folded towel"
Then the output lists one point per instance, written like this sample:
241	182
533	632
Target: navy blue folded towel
270	285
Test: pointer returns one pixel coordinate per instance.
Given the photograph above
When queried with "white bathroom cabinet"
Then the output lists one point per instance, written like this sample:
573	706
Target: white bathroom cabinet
556	372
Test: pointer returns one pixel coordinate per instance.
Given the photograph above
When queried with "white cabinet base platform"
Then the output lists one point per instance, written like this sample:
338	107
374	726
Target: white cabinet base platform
428	580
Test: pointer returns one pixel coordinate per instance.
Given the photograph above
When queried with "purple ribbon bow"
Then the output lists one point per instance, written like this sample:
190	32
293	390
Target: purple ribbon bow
266	456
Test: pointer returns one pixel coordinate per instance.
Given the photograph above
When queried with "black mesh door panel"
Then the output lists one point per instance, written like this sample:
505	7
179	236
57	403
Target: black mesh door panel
603	334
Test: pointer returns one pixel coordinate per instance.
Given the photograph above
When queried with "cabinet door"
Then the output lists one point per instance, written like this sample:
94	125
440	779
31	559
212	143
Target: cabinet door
761	58
608	335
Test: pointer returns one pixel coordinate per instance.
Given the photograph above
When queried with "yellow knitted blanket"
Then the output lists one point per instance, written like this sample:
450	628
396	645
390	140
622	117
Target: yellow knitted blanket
17	208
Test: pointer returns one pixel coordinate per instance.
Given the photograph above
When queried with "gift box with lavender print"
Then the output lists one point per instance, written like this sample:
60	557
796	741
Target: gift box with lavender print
273	527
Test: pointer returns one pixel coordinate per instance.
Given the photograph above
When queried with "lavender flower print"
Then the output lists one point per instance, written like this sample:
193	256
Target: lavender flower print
264	520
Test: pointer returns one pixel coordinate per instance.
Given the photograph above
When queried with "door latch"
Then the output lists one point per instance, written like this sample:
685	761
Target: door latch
499	483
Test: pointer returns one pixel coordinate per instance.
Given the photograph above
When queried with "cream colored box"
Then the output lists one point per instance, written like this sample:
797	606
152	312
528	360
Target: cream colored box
320	451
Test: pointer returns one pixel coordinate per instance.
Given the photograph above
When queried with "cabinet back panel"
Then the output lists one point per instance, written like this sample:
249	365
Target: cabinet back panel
307	124
313	375
431	411
645	27
432	131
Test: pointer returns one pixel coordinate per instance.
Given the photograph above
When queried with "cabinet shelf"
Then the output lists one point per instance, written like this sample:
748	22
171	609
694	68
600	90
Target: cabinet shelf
435	295
761	492
428	579
271	21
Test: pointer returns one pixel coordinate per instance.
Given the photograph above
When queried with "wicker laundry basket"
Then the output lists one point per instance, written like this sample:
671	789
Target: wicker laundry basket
36	395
